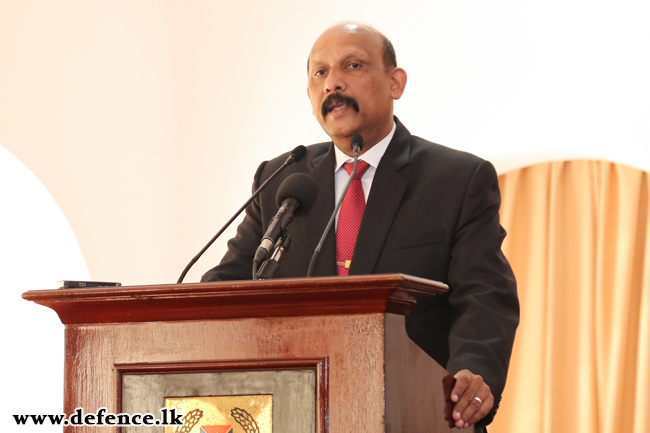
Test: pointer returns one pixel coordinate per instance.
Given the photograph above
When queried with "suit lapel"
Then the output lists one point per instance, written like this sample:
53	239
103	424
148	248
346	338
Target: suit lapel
313	224
388	188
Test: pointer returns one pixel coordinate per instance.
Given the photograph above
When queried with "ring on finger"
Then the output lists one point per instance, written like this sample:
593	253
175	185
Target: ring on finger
479	400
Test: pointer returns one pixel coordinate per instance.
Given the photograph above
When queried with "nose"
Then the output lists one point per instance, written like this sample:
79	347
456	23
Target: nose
335	81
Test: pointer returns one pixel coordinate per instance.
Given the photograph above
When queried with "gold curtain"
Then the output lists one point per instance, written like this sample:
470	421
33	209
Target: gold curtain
578	241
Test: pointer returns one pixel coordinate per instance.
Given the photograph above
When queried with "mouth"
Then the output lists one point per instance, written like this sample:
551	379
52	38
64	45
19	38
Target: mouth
336	103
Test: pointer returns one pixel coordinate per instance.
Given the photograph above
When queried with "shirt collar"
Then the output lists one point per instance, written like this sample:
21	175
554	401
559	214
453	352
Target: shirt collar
372	156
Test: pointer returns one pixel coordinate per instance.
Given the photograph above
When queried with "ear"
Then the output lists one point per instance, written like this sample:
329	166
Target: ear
398	83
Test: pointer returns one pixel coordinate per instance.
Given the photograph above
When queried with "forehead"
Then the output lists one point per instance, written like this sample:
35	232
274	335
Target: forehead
346	41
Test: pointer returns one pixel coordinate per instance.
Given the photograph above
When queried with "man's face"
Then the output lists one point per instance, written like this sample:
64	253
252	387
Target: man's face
350	89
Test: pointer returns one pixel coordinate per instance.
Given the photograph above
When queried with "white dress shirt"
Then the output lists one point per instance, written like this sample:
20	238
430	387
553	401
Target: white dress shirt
372	157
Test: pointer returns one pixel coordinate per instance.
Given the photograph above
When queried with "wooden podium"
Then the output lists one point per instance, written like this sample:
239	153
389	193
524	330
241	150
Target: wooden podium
368	376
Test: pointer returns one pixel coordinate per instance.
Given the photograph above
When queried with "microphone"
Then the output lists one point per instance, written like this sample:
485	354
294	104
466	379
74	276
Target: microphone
357	144
295	197
294	156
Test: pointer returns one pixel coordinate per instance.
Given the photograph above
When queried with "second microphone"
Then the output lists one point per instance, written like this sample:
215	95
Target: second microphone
295	197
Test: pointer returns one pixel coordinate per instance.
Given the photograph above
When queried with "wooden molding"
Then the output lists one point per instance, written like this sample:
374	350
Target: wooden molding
395	293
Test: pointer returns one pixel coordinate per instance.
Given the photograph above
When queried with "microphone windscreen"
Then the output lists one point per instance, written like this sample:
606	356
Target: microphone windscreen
357	140
301	187
298	153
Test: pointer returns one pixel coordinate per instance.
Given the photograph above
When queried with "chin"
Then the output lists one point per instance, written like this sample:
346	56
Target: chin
342	130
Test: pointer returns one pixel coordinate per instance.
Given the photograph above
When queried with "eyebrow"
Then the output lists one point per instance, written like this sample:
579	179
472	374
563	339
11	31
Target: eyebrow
347	56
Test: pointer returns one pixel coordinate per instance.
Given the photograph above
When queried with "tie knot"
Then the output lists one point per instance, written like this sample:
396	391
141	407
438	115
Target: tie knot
362	166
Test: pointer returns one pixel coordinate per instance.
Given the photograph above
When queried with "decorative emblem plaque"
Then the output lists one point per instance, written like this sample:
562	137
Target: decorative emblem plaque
223	414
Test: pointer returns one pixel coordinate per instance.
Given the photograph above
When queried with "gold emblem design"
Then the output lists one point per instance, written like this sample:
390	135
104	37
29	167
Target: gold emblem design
189	421
211	414
245	420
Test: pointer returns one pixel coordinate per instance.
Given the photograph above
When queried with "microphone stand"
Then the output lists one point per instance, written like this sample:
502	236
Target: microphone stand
296	155
356	148
270	267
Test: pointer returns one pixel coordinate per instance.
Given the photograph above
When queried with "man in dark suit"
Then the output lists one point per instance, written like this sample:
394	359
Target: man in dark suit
431	212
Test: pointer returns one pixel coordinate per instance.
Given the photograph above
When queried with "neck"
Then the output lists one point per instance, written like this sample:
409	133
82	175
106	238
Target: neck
344	145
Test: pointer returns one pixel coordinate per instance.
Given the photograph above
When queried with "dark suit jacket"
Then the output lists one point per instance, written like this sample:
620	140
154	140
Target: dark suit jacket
432	212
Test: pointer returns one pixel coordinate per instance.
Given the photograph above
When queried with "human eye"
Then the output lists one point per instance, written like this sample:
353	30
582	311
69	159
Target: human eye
319	72
354	65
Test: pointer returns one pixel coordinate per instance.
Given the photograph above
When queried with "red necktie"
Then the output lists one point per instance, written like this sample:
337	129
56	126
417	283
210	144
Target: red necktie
350	217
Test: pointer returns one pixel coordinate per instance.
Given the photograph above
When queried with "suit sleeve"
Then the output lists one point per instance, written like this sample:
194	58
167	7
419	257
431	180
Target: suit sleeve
483	293
237	263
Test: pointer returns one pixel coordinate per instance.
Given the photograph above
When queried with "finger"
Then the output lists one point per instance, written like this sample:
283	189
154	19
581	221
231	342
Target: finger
463	415
477	410
467	404
470	402
463	383
486	407
463	380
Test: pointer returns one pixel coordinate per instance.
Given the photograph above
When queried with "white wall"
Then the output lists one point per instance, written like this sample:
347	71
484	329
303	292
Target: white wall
36	245
146	120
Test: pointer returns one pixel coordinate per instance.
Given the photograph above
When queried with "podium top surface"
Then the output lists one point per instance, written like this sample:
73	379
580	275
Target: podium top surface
395	293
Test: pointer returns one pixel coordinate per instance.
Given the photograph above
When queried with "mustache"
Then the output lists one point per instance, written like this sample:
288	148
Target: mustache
337	98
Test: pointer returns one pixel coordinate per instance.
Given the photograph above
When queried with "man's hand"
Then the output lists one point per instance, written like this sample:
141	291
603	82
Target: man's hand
466	409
